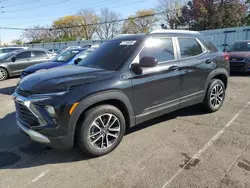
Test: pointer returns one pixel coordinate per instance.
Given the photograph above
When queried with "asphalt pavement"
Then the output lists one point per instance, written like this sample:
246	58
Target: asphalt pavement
188	148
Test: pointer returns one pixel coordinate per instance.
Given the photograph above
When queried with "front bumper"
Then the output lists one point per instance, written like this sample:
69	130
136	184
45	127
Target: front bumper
35	136
39	126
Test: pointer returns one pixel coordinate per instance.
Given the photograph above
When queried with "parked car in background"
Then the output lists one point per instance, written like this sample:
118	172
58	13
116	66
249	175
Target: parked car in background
239	54
13	63
127	81
6	50
68	57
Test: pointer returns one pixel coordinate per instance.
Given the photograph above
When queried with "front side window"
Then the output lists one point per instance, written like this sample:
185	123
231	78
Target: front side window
111	55
158	48
23	55
189	47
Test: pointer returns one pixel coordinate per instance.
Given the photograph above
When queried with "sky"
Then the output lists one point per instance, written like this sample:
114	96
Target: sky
26	13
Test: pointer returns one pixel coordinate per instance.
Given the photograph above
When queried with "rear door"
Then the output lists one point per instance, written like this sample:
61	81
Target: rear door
196	64
22	60
156	91
39	57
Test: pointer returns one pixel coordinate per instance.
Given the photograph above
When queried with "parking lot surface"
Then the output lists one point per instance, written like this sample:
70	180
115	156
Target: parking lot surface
187	148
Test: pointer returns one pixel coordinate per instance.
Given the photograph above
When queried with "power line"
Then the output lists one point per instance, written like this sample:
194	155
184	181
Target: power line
58	2
81	7
20	4
110	8
86	25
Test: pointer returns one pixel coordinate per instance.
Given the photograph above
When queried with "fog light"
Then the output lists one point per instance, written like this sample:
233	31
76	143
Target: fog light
51	111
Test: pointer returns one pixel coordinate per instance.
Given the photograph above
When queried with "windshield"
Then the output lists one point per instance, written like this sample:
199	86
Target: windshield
240	47
66	56
110	55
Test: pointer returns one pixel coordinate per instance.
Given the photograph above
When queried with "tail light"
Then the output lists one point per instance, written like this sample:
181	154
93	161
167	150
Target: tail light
226	56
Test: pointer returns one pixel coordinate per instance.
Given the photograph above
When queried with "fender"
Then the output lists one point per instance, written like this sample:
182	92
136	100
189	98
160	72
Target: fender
99	97
214	73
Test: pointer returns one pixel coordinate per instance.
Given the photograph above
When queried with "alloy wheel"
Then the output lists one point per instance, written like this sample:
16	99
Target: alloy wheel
104	131
217	95
2	74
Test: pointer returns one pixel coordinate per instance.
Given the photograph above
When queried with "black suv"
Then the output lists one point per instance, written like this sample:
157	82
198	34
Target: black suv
128	80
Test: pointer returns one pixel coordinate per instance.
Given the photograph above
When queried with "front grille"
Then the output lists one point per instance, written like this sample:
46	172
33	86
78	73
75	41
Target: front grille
23	93
238	65
25	115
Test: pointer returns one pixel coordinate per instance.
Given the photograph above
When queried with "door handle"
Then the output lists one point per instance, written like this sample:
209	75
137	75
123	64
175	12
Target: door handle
209	61
173	68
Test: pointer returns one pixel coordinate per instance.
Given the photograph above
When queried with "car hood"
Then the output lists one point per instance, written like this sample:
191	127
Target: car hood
239	54
62	78
45	65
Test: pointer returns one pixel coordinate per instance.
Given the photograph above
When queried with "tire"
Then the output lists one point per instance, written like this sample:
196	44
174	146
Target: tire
215	95
87	134
3	74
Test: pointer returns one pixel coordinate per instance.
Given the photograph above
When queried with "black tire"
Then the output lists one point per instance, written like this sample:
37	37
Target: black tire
210	104
91	116
3	74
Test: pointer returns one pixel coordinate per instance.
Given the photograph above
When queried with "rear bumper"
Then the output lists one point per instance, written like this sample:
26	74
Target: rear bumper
62	142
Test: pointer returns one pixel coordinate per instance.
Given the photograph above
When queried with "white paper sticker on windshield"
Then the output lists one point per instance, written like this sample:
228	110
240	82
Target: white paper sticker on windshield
126	43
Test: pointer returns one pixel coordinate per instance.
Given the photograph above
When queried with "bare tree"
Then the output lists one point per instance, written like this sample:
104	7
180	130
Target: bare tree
111	29
172	12
89	18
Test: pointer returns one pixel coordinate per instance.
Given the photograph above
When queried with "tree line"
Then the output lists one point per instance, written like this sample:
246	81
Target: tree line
169	14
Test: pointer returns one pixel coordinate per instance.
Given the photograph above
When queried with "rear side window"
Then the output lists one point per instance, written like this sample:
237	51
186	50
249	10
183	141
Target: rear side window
159	48
40	54
24	55
189	47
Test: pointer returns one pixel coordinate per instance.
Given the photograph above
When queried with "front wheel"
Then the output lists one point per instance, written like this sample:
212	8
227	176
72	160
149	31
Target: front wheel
102	130
3	74
215	95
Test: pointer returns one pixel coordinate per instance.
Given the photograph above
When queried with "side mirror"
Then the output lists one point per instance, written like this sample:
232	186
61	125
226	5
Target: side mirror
13	59
148	62
135	67
77	61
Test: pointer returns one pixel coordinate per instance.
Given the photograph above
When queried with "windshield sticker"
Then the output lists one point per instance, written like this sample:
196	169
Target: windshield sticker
127	43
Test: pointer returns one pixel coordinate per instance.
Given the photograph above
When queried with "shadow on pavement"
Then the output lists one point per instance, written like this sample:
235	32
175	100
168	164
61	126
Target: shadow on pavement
239	74
39	155
7	90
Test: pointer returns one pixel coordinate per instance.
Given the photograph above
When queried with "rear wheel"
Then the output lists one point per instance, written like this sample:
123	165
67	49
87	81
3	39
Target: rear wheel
102	130
3	74
215	95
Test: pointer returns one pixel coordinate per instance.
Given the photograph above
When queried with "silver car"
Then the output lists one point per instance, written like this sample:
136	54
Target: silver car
13	63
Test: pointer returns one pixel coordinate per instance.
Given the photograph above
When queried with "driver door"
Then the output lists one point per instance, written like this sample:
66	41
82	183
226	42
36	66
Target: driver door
157	90
22	60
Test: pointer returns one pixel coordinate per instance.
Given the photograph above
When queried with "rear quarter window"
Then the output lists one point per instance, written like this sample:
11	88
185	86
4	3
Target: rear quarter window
209	45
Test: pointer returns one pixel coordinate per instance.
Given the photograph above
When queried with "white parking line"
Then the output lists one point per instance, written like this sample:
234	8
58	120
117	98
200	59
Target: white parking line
207	145
40	176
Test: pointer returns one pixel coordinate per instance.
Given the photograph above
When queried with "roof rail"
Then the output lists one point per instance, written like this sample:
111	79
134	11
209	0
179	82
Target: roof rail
174	31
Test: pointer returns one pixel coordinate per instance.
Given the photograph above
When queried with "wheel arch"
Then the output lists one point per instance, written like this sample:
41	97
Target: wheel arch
220	73
115	98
